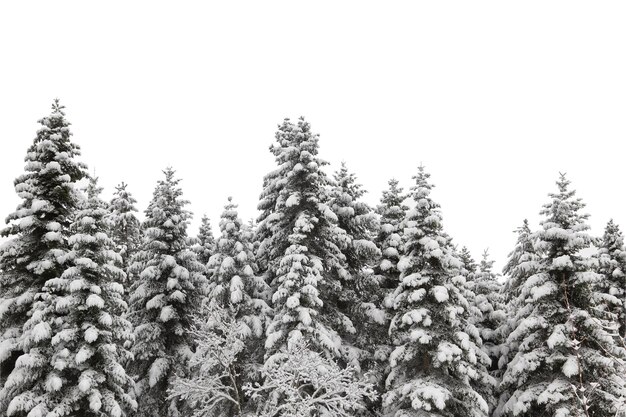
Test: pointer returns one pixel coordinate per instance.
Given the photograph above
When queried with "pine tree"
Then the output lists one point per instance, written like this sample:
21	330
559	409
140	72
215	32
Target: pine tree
38	229
124	227
612	259
567	363
167	290
468	261
389	240
436	360
74	339
489	301
205	248
523	263
362	294
304	256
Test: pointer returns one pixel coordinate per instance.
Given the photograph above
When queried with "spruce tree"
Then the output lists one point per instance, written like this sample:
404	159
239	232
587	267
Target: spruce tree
567	362
167	290
232	271
436	361
469	264
612	259
205	247
302	248
362	295
125	228
389	239
488	300
74	339
523	263
38	230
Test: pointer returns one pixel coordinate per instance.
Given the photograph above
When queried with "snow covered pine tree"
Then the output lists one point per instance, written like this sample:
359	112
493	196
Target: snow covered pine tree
489	300
437	359
74	339
301	250
567	362
362	295
523	263
205	247
124	227
38	231
167	289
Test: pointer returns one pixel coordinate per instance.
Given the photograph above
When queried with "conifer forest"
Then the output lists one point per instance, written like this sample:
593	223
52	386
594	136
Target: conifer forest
322	306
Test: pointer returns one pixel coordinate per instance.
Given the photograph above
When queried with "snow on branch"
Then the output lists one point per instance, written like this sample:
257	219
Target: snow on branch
213	383
303	383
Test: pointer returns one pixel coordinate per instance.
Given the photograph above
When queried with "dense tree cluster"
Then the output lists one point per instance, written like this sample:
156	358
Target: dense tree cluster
325	307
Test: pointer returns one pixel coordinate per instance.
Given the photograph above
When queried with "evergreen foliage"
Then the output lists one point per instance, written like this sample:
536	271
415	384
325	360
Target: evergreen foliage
566	359
124	227
205	248
304	249
74	339
167	290
38	230
436	360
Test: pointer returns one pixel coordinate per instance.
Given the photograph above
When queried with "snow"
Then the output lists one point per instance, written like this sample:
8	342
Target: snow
39	205
440	293
94	300
26	222
157	371
293	200
562	262
41	331
91	334
570	367
167	314
83	355
53	383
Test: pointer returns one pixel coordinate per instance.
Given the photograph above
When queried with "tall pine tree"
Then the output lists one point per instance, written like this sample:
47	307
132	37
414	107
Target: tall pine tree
38	229
304	242
567	363
167	290
436	361
362	294
523	263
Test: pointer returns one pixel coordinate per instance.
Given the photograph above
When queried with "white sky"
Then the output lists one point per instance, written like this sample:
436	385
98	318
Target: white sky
494	97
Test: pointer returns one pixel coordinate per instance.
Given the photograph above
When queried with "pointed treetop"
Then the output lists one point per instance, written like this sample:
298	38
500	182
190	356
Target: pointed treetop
486	264
93	189
564	207
57	107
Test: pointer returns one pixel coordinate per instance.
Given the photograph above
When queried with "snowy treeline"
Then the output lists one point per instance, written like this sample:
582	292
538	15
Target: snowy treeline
324	306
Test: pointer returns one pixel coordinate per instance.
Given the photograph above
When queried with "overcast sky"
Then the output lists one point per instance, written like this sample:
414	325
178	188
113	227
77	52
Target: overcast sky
493	97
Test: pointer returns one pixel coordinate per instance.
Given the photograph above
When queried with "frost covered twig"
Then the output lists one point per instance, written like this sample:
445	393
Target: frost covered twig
303	383
213	381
